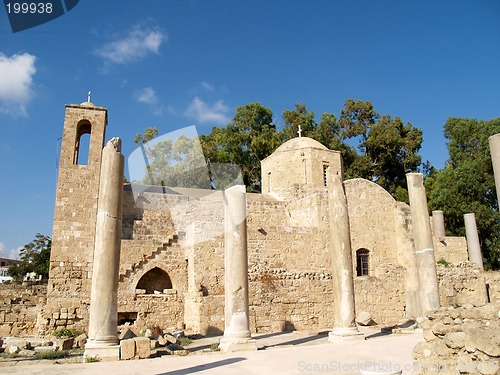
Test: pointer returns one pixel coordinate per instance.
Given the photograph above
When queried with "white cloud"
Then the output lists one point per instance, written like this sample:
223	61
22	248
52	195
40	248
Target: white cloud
9	253
207	86
204	113
132	47
147	95
16	79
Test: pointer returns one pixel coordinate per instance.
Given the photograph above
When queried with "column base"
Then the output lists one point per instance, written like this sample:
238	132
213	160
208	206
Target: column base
104	351
345	334
237	344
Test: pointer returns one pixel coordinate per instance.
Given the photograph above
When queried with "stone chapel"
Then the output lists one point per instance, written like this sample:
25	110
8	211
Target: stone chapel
171	270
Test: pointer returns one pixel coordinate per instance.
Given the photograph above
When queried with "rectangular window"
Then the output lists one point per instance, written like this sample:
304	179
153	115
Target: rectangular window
362	262
325	176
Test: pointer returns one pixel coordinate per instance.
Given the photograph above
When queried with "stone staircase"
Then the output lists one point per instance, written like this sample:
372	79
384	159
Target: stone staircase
126	269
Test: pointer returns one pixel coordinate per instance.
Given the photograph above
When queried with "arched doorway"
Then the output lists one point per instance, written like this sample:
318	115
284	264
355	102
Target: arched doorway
154	280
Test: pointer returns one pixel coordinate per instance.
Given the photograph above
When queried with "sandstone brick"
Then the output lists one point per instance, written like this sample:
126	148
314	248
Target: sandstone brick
127	349
455	340
143	347
64	344
487	340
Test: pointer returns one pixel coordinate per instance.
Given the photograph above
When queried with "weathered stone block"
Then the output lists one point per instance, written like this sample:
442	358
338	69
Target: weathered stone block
440	329
487	340
64	344
43	349
127	349
126	334
26	353
170	338
80	341
14	341
455	340
364	318
143	347
12	349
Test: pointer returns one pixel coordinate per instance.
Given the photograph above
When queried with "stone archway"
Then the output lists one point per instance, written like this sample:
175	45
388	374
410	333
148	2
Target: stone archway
155	279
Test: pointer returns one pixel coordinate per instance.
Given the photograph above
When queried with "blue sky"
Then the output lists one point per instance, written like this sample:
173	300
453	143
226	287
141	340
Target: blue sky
175	63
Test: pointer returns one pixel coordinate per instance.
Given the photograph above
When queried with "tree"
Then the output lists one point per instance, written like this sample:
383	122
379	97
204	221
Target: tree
326	132
388	147
466	184
356	119
35	257
299	116
247	140
173	162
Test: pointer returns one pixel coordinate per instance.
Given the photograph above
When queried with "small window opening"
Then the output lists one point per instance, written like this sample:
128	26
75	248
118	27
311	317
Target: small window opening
126	317
325	174
269	182
82	144
362	262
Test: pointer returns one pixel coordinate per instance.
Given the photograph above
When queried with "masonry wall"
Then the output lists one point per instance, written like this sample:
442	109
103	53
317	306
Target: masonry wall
74	218
461	284
20	307
382	295
179	233
463	340
289	257
492	279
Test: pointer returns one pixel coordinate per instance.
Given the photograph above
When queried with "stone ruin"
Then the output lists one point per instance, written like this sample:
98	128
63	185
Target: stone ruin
170	255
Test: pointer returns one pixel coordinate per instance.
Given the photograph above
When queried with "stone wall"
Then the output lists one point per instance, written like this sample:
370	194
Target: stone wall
461	284
20	307
492	279
451	249
177	234
288	167
289	256
464	340
75	215
387	307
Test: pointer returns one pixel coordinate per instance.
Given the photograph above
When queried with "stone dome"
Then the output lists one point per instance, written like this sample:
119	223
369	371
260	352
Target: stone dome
299	143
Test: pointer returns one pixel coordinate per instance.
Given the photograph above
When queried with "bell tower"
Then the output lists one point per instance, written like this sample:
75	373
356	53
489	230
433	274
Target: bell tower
75	215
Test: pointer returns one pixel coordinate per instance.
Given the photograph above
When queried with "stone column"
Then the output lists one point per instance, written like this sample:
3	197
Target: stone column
473	246
237	327
344	324
494	142
103	337
438	221
424	249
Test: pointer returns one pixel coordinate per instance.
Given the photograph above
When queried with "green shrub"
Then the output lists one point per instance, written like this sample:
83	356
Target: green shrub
92	359
66	332
184	340
443	262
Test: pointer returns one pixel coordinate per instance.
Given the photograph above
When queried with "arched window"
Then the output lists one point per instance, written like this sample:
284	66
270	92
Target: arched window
154	279
362	262
82	143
